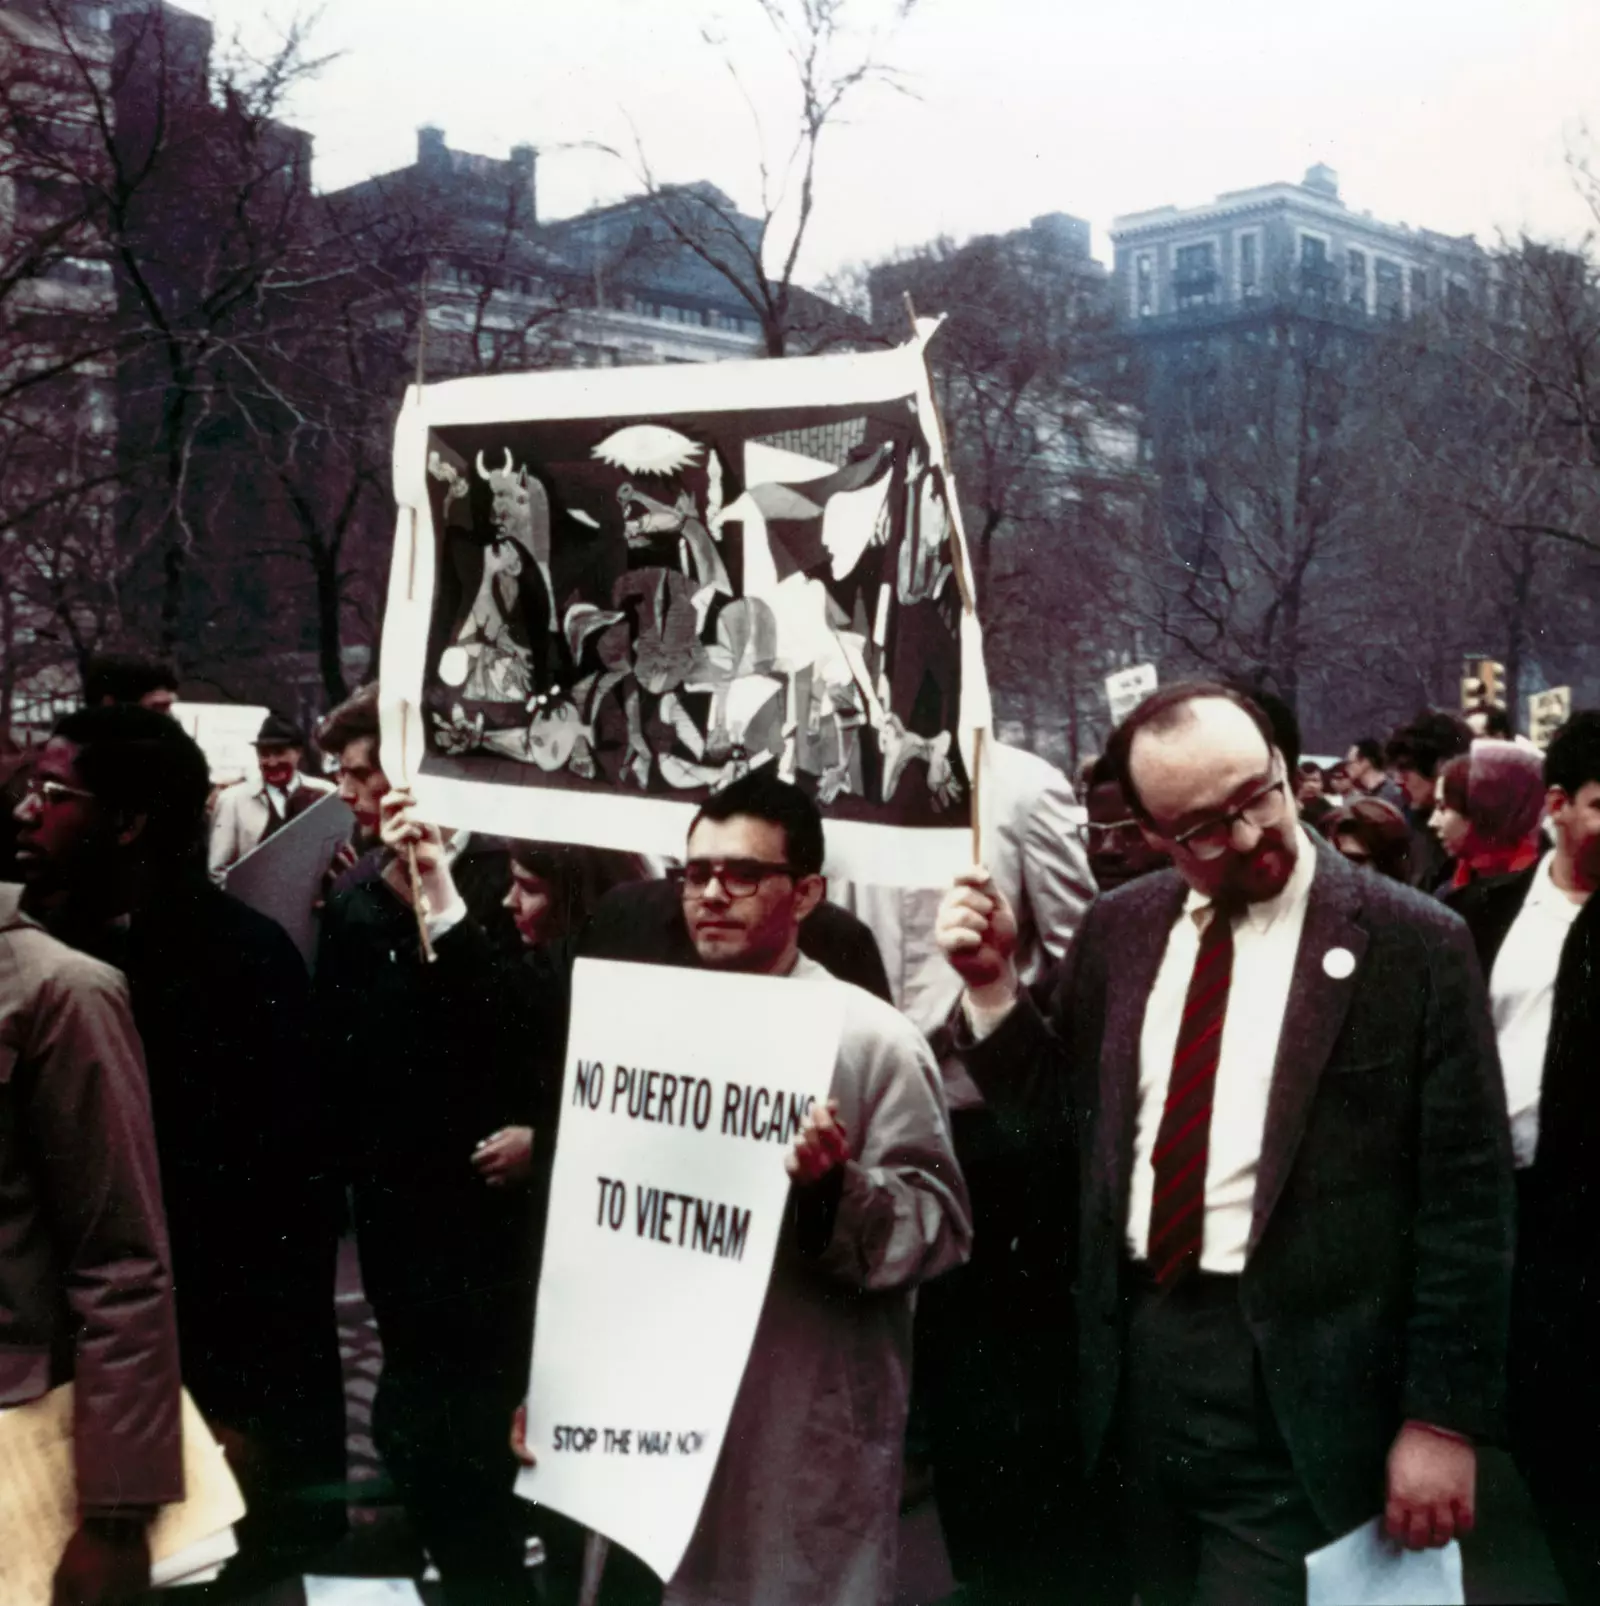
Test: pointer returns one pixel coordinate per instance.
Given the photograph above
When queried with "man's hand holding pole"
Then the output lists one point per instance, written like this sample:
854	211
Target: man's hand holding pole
976	931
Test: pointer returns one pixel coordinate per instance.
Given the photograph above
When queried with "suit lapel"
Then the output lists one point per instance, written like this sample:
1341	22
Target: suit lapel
1319	998
1137	947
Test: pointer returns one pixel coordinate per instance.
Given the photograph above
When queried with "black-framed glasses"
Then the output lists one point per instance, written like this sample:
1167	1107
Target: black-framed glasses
56	792
1098	834
738	877
1211	838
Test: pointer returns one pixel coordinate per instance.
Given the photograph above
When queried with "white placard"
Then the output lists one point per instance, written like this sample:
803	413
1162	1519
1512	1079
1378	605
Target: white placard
1127	688
684	1090
1548	711
226	733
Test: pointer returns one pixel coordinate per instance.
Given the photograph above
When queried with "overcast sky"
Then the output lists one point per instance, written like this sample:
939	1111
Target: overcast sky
1456	114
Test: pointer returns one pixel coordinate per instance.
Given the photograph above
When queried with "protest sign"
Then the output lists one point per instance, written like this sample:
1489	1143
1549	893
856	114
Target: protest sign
1548	711
282	876
226	734
614	590
1127	688
684	1091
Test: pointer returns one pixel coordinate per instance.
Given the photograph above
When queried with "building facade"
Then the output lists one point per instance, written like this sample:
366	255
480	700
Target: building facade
1178	267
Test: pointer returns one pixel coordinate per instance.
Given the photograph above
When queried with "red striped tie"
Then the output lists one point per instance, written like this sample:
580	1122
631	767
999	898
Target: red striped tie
1177	1208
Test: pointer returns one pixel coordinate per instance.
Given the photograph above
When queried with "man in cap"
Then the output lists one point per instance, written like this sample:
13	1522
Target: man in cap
246	816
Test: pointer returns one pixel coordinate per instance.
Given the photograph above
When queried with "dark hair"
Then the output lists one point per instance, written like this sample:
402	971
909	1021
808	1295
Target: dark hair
1381	829
1280	716
1101	774
1165	710
355	717
1572	759
1318	813
1427	740
762	796
1496	722
121	677
1452	785
137	761
1369	748
578	877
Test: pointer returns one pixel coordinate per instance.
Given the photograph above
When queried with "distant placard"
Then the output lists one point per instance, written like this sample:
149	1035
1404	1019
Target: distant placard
226	734
1548	711
1127	688
684	1090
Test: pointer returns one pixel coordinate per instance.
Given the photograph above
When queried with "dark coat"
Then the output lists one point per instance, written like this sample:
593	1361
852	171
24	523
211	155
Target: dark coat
244	1131
1378	1278
1556	1321
642	921
429	1060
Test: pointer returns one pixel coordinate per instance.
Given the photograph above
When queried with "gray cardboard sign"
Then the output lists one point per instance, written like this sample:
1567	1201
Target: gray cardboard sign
282	877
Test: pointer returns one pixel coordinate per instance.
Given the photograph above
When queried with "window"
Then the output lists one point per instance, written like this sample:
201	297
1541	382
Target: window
1144	284
1356	280
1457	297
1388	286
1194	279
1249	266
1317	273
1419	289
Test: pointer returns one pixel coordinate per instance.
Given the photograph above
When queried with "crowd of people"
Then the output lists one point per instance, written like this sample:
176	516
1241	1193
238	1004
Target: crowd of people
1219	1148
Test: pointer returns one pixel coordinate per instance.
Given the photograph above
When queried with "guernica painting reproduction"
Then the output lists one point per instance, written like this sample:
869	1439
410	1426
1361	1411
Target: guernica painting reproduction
615	590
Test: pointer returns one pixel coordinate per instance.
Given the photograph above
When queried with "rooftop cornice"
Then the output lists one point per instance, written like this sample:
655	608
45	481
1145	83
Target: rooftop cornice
1291	198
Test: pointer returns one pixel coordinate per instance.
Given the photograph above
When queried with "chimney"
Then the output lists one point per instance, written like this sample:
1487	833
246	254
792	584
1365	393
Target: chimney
1321	179
431	150
525	163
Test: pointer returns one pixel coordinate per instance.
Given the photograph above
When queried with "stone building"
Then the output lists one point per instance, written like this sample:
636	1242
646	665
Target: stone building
1179	267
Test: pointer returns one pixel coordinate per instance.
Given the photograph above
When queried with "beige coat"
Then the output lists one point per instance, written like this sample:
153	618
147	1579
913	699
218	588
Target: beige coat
804	1506
241	816
83	1242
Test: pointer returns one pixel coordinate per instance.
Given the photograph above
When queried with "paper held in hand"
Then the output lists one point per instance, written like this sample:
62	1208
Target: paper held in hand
1365	1569
39	1506
684	1091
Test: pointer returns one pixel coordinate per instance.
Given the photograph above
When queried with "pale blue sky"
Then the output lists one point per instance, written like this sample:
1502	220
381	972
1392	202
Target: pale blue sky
1456	114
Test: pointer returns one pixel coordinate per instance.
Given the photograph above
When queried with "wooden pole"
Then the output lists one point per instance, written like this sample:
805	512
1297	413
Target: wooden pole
413	875
419	902
958	562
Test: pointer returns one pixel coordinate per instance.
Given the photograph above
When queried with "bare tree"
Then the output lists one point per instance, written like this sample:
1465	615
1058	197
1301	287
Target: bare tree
831	60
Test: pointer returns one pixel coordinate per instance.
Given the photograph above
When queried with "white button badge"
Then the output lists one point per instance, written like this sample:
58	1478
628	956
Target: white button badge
1339	963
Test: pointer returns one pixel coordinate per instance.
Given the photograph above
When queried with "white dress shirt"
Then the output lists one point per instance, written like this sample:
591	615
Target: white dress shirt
1266	942
1522	989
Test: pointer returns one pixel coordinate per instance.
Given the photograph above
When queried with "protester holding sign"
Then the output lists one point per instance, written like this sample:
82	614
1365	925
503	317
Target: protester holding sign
803	1506
432	1060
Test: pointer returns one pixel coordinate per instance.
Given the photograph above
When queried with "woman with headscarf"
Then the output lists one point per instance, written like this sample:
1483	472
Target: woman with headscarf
1490	803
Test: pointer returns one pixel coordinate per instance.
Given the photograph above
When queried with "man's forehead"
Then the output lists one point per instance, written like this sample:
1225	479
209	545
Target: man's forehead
357	754
1199	765
740	831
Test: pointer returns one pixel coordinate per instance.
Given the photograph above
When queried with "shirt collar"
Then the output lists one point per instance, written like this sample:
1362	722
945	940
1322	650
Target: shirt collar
1263	916
1542	890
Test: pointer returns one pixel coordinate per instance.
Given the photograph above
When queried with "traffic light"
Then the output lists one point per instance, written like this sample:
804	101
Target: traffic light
1482	684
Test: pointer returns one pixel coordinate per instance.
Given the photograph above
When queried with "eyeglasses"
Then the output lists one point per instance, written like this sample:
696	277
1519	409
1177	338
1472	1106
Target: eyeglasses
739	877
1210	839
56	792
1096	834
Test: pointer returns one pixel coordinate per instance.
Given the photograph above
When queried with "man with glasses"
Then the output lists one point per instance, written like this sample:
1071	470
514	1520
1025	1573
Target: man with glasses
1118	850
111	846
803	1508
1294	1192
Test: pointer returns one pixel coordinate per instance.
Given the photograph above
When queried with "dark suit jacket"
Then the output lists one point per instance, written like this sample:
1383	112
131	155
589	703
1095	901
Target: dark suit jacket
1378	1278
1556	1326
642	921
